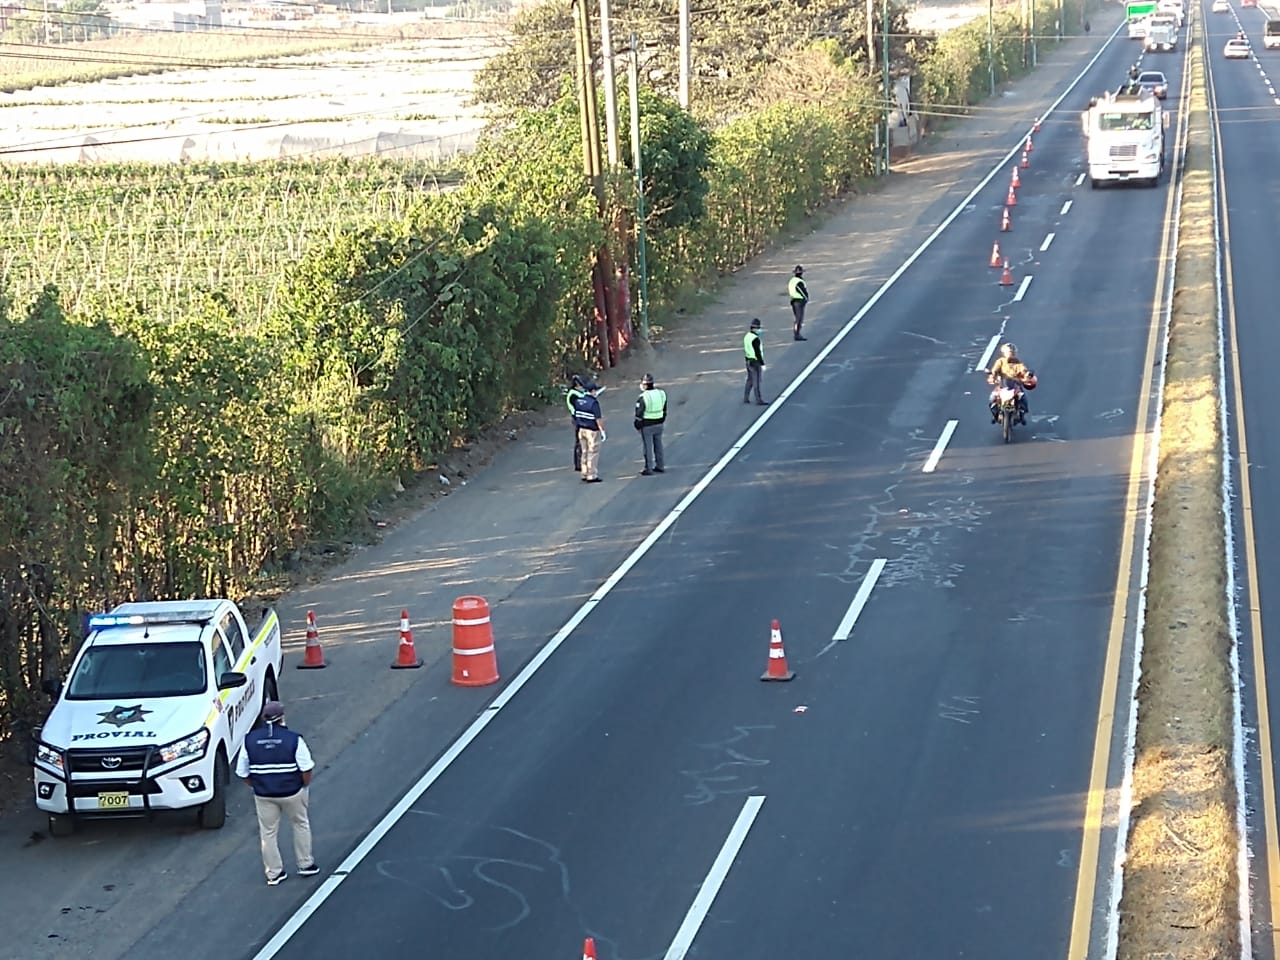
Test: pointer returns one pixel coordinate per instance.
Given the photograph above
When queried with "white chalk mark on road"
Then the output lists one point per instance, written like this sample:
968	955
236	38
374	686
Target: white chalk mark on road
679	948
860	598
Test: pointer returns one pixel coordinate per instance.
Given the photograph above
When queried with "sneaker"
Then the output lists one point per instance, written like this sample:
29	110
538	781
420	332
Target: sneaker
596	480
310	871
646	472
659	470
762	403
802	338
279	878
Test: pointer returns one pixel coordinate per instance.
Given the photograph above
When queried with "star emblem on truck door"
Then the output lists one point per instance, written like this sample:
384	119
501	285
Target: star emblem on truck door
121	716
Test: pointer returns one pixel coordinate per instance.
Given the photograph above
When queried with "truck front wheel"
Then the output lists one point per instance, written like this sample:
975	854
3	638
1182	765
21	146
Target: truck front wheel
213	814
61	825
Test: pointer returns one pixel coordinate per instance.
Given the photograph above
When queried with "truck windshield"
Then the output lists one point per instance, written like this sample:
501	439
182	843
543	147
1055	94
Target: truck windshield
1273	28
1124	121
139	670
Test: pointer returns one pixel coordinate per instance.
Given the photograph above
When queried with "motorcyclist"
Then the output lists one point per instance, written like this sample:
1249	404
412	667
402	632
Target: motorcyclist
1009	370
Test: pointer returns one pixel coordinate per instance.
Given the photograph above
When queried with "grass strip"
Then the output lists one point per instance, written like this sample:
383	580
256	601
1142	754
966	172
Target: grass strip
1180	882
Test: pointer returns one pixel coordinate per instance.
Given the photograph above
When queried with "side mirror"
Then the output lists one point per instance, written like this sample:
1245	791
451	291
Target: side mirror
231	679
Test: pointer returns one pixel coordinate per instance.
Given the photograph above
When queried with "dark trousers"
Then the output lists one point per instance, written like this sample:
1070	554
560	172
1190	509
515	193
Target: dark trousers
797	311
754	369
577	451
651	439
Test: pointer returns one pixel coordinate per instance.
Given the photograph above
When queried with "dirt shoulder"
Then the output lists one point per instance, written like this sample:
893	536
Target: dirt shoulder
1180	884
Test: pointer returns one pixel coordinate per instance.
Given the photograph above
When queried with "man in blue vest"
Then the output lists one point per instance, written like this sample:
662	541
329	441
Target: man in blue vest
799	295
575	391
277	763
590	423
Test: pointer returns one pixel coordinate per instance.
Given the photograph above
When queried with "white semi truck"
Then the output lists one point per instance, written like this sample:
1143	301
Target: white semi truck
1162	34
1124	138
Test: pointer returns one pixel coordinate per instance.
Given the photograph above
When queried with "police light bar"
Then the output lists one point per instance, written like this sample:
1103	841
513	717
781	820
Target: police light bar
106	621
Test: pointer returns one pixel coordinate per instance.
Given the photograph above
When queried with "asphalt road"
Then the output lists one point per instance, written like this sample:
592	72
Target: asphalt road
923	782
1248	121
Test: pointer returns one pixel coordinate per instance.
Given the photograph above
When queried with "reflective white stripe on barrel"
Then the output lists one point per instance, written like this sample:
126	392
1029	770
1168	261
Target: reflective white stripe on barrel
472	653
469	623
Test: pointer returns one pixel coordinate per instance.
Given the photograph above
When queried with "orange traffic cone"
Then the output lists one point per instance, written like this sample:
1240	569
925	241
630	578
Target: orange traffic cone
1005	224
1012	199
1030	146
589	949
312	655
1026	160
777	669
475	664
1036	126
1006	276
1015	181
995	255
406	656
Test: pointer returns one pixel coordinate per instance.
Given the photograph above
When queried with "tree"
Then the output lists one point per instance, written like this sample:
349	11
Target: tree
733	44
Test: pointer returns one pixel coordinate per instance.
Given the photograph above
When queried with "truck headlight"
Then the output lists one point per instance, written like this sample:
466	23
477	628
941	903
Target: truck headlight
49	756
191	746
1151	157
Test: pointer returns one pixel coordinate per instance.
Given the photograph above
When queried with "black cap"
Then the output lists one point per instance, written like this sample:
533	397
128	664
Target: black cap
647	380
273	710
755	323
799	269
577	380
590	386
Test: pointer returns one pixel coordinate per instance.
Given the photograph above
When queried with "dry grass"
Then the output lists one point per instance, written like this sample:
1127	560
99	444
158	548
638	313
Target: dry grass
23	66
1180	883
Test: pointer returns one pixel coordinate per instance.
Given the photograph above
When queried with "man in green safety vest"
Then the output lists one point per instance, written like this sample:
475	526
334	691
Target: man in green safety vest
755	363
799	295
651	414
574	392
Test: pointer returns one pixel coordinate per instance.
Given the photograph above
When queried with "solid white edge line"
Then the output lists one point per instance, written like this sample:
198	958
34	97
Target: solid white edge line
931	464
986	354
383	827
1125	798
859	600
1047	240
701	905
1022	288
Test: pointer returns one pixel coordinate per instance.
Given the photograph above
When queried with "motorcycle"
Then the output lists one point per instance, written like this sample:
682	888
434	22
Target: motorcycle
1006	401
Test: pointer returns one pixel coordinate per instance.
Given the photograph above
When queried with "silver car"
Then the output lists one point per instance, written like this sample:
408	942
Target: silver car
1154	81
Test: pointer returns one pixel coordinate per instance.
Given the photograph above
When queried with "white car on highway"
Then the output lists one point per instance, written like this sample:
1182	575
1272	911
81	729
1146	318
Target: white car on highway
1221	6
1236	49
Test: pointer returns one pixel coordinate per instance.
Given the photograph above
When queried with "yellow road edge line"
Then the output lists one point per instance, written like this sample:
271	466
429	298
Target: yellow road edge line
1271	834
1136	505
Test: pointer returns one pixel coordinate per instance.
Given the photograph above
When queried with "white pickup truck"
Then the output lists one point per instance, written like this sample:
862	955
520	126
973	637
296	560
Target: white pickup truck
156	706
1162	34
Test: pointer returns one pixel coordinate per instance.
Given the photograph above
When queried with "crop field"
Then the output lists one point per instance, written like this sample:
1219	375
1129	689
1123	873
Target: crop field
163	235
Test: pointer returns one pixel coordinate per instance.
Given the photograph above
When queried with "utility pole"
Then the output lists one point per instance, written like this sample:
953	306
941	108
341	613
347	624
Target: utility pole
633	76
590	123
991	43
686	54
888	93
1032	5
871	37
610	87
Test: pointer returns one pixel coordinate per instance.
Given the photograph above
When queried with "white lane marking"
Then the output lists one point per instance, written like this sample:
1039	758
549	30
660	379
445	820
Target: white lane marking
1066	206
715	879
986	354
1079	179
859	600
1022	288
1047	240
932	463
468	736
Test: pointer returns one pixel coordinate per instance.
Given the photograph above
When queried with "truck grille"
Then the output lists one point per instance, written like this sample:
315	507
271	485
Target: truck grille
1124	151
107	762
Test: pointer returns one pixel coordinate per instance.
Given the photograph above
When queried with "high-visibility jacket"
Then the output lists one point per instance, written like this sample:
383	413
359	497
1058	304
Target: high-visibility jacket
797	289
651	407
751	346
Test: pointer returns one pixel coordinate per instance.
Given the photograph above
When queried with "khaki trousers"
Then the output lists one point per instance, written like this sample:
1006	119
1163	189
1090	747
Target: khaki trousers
590	440
270	810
